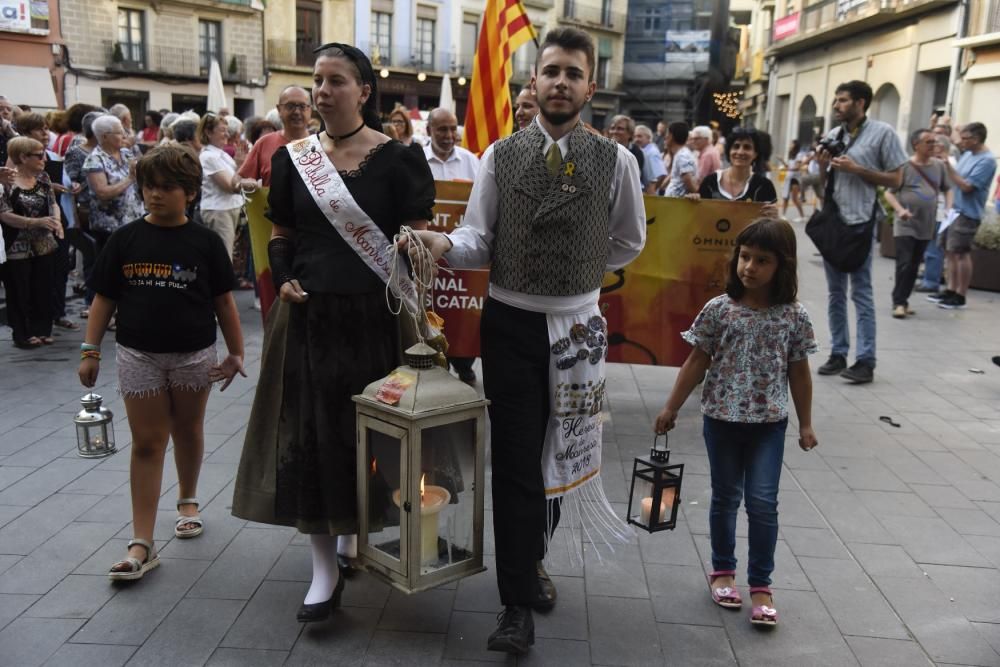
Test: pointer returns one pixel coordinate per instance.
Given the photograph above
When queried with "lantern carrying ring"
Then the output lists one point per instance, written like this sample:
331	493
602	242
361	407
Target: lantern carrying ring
657	454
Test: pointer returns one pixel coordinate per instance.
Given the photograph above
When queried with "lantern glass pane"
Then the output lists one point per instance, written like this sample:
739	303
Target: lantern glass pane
83	438
642	503
384	453
448	499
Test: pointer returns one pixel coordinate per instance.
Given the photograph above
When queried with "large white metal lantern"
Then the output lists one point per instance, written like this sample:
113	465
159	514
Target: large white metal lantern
95	431
421	467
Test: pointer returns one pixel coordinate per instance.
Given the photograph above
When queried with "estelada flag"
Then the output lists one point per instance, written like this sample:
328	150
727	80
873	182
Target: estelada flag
260	235
488	115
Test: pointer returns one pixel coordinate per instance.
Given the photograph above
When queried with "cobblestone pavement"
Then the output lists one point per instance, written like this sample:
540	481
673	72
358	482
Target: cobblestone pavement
888	554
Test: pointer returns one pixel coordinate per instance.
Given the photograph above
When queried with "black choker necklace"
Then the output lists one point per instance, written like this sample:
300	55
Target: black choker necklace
341	137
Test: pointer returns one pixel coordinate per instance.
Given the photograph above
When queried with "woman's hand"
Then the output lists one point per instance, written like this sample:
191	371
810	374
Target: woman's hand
769	210
905	214
248	185
807	438
49	223
665	421
693	196
227	370
88	370
292	292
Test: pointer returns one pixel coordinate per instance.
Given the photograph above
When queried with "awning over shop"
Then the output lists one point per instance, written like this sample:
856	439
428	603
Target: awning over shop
28	85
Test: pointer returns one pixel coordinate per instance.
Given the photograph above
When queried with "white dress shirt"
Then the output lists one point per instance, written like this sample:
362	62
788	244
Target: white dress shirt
473	241
462	164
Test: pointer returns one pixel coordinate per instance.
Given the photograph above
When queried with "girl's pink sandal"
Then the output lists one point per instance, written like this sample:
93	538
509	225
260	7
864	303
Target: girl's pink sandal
724	596
763	614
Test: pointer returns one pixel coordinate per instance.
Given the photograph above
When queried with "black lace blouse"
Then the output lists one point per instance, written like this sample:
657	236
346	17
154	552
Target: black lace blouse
392	185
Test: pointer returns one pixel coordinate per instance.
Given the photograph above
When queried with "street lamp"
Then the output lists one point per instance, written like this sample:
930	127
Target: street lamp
420	454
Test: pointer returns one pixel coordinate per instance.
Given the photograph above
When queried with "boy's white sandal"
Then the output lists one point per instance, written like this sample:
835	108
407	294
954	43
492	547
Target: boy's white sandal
197	526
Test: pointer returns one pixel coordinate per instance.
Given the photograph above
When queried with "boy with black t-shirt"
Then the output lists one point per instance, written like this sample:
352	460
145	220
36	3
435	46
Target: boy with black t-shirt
170	281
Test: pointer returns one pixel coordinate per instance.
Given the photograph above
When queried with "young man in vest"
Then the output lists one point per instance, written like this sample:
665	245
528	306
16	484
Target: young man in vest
553	208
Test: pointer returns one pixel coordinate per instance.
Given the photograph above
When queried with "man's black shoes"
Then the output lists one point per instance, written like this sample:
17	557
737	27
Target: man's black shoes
833	366
546	599
515	633
859	373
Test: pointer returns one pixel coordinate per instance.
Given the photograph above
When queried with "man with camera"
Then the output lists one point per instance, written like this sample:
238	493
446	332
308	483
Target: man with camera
860	155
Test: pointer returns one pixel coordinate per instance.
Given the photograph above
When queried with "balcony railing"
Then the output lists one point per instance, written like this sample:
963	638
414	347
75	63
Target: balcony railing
413	59
592	17
291	52
172	61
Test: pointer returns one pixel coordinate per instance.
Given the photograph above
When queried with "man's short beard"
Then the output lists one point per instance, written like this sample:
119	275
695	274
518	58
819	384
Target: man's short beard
558	118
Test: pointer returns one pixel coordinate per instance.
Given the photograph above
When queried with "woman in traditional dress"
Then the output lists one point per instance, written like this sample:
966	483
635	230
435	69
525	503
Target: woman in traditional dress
331	334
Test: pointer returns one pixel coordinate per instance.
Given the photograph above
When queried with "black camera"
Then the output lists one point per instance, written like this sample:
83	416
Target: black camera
835	147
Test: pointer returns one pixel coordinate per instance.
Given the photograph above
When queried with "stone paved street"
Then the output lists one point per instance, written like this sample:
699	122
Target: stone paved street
888	553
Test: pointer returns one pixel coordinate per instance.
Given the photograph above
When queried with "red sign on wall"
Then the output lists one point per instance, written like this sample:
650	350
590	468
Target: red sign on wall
786	26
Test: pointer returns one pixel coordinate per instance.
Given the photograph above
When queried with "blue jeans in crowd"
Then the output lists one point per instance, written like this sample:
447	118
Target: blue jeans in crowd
933	265
864	304
745	461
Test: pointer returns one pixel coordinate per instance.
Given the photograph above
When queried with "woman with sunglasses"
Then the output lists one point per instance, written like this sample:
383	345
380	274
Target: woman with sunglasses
331	334
31	223
739	181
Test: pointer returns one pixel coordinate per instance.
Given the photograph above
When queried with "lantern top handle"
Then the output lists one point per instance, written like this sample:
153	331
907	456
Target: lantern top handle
91	401
660	454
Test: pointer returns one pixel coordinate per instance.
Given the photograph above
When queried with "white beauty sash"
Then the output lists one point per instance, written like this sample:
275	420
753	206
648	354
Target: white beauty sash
359	231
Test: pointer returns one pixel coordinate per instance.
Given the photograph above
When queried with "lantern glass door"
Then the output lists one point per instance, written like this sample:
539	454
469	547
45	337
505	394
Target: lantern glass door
654	498
447	477
386	452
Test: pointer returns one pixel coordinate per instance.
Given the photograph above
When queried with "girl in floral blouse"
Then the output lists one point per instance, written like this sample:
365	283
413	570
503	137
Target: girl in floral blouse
750	345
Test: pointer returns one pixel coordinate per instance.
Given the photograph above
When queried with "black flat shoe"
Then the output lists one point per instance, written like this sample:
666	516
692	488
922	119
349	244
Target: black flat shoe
346	566
515	633
546	599
320	611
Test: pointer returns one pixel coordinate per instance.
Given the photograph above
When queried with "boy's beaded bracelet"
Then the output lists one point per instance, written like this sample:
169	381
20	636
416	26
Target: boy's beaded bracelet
90	354
89	346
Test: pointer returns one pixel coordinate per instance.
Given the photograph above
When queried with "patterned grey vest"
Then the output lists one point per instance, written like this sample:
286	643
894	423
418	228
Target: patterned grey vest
552	231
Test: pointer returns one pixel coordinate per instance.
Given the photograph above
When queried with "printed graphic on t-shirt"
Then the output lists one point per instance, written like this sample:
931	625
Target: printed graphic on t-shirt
149	274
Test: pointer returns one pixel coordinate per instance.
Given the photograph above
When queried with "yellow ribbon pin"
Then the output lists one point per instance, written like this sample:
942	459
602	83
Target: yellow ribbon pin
570	168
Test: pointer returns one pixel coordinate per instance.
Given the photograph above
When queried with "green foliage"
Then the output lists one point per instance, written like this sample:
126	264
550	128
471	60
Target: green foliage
988	234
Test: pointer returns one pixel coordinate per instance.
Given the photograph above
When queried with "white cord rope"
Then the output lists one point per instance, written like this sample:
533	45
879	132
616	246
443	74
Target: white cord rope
423	263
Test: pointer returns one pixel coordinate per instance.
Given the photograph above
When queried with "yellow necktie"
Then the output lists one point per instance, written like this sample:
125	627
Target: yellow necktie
553	159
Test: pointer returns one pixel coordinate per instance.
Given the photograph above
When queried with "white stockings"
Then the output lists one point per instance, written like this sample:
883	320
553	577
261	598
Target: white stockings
325	571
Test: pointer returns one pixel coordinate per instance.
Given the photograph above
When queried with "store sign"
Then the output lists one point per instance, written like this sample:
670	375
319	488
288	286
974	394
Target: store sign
786	26
688	46
15	16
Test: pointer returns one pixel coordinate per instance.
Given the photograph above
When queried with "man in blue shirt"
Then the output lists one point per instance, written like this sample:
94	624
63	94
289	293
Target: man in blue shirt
972	179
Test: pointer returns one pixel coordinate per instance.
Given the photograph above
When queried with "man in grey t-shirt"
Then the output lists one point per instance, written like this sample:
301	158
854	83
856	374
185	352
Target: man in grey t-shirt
874	157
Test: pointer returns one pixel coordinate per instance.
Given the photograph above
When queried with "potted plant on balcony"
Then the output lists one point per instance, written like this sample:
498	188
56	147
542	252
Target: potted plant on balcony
117	55
986	255
233	66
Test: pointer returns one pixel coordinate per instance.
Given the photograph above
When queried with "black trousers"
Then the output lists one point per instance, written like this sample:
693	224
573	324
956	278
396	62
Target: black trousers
909	254
29	296
515	353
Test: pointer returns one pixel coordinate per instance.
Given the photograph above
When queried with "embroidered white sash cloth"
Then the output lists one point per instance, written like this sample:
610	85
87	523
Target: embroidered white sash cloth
358	230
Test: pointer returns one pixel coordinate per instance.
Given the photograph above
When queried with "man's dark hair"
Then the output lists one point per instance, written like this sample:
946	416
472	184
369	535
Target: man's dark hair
75	114
978	130
170	165
915	136
569	39
184	130
775	236
679	131
858	90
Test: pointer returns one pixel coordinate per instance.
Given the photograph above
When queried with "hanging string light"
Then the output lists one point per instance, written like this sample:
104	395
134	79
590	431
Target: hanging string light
729	103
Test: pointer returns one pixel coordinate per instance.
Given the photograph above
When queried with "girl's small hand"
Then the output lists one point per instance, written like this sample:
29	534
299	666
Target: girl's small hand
291	292
227	370
665	421
807	438
88	370
769	211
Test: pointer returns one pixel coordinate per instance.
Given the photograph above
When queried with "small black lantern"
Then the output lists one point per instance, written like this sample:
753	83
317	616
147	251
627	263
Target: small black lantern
655	495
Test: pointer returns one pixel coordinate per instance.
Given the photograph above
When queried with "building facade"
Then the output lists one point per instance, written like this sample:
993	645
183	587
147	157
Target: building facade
978	57
904	49
157	55
31	54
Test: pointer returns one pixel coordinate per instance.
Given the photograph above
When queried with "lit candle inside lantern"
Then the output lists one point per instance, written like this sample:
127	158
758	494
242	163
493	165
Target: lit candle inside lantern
433	499
666	506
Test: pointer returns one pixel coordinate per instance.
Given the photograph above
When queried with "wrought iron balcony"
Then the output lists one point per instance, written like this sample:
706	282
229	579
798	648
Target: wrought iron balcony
440	62
575	13
171	61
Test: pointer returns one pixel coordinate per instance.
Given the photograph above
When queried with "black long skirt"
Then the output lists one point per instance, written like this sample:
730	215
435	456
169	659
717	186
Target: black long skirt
298	466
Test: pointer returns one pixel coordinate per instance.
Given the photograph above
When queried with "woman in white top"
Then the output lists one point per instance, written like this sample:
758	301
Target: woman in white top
221	186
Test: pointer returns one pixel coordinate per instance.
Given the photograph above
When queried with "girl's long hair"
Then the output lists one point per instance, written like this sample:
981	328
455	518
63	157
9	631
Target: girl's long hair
775	236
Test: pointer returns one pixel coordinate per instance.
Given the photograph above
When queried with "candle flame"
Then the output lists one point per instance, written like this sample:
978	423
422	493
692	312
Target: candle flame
374	466
422	487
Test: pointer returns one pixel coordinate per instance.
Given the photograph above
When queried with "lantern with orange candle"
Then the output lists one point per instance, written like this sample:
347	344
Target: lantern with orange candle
656	489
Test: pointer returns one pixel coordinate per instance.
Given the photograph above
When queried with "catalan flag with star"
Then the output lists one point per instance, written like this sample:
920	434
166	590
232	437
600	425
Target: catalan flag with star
488	114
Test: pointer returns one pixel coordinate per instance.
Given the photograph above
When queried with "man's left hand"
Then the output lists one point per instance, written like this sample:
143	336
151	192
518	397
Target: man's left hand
845	164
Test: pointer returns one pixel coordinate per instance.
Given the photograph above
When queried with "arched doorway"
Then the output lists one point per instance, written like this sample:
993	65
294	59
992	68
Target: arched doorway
810	124
885	105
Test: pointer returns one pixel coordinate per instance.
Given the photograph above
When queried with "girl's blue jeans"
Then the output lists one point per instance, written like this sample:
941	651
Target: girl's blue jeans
745	461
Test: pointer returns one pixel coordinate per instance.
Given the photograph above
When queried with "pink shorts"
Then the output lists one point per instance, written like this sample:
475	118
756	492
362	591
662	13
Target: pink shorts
143	374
